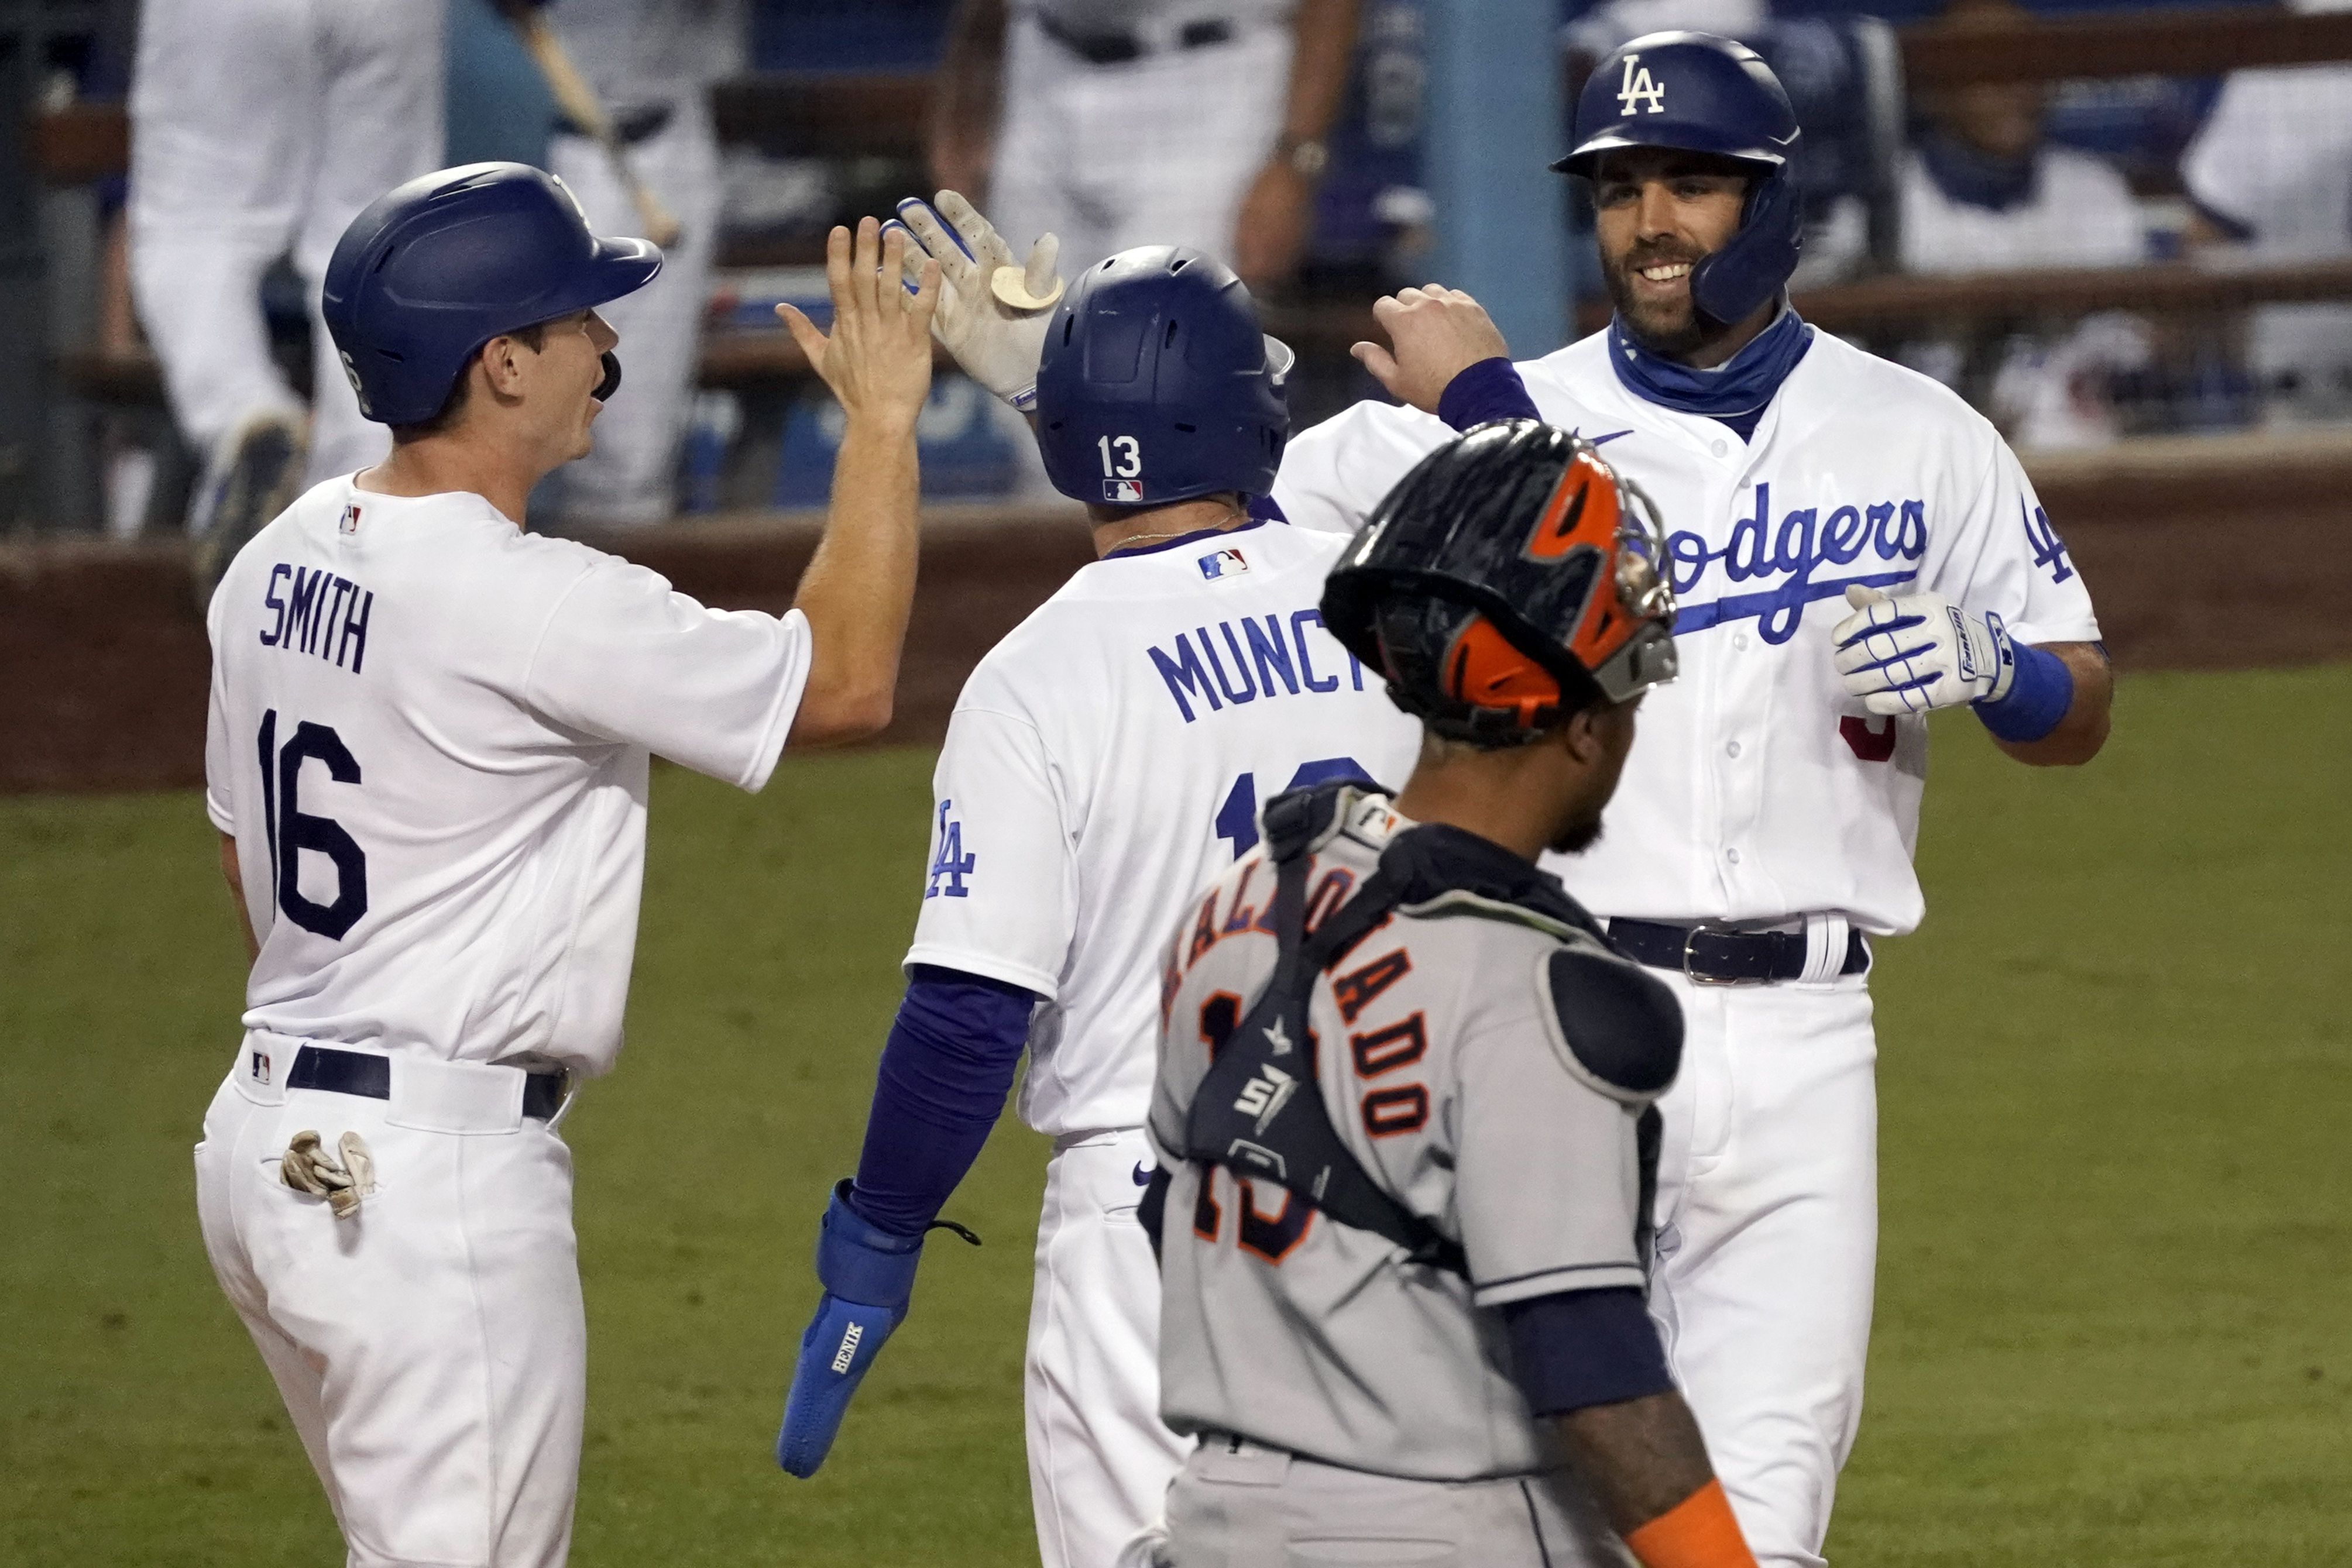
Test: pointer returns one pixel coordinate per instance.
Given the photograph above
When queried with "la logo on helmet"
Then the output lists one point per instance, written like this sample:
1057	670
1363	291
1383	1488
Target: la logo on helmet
1638	84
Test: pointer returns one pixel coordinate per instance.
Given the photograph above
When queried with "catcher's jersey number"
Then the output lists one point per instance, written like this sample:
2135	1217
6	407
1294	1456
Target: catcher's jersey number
291	829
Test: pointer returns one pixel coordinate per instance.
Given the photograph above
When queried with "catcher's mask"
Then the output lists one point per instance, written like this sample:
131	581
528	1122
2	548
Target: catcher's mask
1507	582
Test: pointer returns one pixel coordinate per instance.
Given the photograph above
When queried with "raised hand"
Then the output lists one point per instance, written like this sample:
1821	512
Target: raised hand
877	357
1439	332
995	309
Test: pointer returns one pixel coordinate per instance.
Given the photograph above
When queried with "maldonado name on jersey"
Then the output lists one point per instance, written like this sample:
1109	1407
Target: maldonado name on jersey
1266	656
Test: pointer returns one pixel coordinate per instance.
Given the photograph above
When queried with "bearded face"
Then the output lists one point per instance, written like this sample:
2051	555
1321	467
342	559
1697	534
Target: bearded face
1660	213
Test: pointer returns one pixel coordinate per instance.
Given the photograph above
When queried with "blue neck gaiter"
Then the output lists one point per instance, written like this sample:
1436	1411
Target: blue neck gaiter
1977	179
1736	394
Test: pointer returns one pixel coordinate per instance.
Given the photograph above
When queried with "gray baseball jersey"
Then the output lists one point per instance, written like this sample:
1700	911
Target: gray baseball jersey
1445	1068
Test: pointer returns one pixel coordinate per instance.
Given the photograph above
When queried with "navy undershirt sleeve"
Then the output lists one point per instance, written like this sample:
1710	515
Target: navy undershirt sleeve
941	1084
1491	389
1582	1348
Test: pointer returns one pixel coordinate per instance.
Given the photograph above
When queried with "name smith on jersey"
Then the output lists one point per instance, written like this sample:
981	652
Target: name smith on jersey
316	611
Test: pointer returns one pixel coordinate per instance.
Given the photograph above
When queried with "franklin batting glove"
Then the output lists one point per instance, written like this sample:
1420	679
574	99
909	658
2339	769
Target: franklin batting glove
1912	651
868	1275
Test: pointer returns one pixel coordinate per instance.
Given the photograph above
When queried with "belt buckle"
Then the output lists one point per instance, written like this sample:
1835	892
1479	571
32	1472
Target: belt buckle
1690	938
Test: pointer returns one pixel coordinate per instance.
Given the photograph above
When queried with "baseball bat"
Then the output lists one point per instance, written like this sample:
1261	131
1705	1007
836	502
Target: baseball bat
577	101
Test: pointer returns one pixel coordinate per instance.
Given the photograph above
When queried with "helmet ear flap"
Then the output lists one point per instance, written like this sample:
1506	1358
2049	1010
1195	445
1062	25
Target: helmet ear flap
1485	669
1758	260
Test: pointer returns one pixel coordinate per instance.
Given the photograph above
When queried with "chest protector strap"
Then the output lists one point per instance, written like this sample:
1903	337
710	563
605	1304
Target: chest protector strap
1260	1112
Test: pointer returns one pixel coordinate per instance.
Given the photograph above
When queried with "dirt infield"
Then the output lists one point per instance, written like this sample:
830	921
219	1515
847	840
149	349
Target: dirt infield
2203	555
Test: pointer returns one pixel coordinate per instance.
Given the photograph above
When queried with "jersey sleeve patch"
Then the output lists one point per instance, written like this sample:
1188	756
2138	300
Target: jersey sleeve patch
1619	1027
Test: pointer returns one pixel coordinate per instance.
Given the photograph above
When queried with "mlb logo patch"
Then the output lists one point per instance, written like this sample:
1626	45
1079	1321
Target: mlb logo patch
261	1067
1224	563
1129	491
350	523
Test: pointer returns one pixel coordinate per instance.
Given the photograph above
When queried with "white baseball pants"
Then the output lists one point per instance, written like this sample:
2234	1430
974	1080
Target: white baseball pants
631	477
431	1349
1768	1243
1100	1458
261	125
1159	150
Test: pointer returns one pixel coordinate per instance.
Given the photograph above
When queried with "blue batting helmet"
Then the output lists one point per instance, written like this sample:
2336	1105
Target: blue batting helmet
1704	94
1156	384
435	268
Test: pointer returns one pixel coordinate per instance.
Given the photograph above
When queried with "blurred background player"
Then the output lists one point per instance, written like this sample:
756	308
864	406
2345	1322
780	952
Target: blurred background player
1440	1058
652	64
2271	171
1115	124
1983	188
260	127
426	756
1103	761
1771	808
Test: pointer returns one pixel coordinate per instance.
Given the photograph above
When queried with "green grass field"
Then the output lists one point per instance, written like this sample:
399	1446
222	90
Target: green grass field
2116	1290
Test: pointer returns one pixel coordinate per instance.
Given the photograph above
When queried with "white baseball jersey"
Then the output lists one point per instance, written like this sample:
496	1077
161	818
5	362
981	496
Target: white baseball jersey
1759	789
1107	759
1443	1066
429	735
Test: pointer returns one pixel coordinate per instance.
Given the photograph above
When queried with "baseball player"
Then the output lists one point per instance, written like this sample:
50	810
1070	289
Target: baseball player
1852	548
1122	122
261	127
2272	169
1403	1116
653	62
1104	760
427	756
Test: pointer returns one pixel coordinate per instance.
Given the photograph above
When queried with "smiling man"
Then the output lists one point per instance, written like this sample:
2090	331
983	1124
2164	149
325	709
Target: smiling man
1851	548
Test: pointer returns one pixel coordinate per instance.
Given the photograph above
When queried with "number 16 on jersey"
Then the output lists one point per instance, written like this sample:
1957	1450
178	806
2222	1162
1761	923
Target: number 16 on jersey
291	829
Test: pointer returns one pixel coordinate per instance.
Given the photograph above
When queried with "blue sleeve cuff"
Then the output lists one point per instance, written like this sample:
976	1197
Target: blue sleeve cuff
1582	1348
2039	696
937	1091
1489	390
862	1262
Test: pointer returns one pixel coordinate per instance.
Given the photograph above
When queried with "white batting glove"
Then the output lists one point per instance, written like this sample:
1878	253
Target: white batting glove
1914	652
995	311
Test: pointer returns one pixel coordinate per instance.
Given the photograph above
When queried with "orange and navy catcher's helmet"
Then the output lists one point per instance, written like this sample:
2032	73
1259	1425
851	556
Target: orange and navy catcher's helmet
1509	581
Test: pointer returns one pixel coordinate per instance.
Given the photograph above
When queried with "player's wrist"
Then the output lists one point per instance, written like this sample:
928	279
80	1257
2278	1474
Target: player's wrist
2039	692
1698	1533
879	423
1485	389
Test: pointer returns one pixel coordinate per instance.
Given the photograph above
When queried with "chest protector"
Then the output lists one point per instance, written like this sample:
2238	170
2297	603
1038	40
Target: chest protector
1259	1112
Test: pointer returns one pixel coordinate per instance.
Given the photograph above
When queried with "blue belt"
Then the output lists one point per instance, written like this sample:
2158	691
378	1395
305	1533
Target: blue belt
1726	957
370	1077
